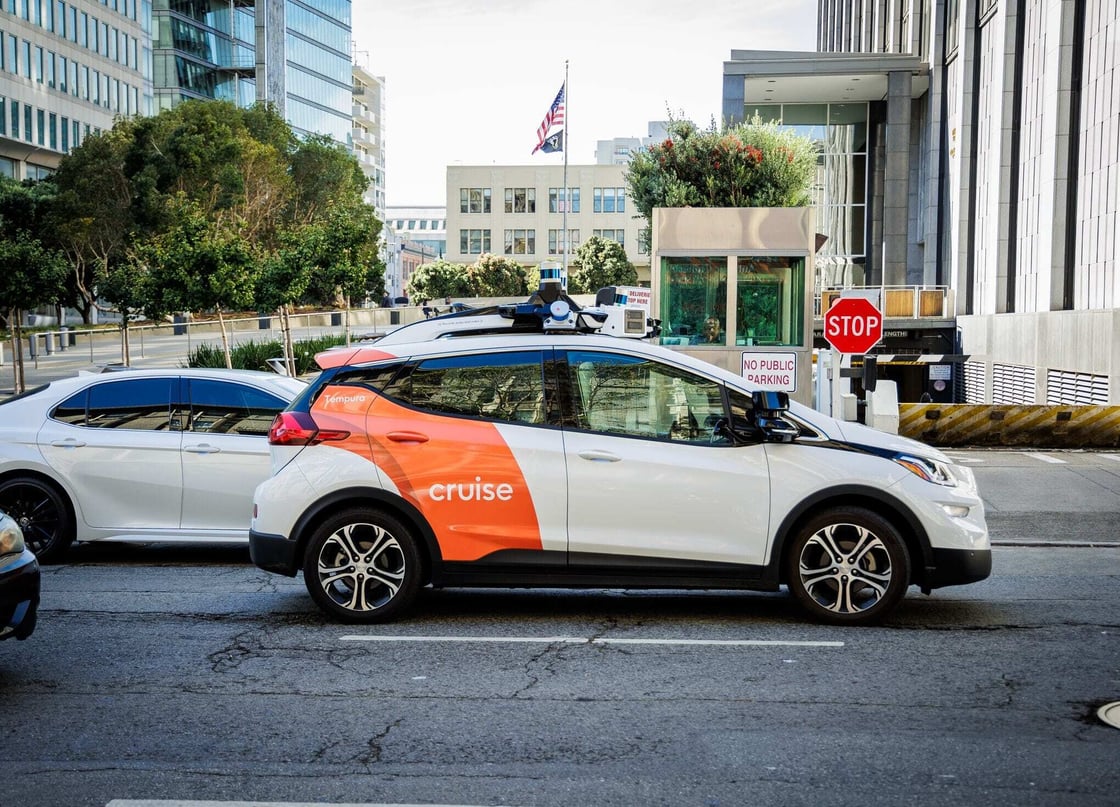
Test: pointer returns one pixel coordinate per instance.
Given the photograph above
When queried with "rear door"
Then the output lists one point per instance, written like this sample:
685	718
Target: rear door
225	451
469	441
648	478
116	444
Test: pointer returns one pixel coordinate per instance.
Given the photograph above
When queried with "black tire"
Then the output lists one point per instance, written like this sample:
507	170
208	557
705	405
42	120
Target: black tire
362	566
42	512
848	566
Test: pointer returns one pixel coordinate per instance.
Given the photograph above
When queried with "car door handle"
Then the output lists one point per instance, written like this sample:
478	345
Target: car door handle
407	437
69	442
599	456
202	448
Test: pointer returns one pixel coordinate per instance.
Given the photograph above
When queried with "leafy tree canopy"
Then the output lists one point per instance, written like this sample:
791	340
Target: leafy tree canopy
497	276
439	279
749	164
600	262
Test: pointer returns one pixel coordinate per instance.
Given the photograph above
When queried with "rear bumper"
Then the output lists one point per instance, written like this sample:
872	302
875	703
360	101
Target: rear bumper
19	596
955	567
274	553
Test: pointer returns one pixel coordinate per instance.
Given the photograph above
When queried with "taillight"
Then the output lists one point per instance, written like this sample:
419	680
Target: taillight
300	429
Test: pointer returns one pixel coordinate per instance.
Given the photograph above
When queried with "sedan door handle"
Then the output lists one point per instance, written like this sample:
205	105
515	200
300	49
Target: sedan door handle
407	437
69	442
203	448
599	456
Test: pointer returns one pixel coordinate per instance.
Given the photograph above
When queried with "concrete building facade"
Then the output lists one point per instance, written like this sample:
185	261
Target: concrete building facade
517	211
993	169
67	69
367	141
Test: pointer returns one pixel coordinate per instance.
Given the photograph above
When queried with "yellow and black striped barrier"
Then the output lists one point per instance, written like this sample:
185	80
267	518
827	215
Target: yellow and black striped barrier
1035	425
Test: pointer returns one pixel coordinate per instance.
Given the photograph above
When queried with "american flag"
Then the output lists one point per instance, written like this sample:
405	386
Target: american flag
554	117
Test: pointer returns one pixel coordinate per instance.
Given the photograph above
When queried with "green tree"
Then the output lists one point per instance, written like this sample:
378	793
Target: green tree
497	276
198	265
325	176
600	262
92	217
438	279
32	274
749	164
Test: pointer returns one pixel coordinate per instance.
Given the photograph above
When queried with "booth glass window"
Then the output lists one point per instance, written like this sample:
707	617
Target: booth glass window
694	301
770	301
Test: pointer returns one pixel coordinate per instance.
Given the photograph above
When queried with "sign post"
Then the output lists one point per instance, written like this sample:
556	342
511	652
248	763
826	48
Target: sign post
852	325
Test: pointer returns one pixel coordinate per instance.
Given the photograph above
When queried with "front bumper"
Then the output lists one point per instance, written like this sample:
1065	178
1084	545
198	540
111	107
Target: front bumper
955	567
274	553
19	596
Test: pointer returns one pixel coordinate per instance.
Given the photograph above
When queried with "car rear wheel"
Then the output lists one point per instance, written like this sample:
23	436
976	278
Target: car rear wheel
362	566
42	513
848	566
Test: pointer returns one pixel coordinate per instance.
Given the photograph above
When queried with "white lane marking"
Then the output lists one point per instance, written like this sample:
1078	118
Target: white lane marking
960	458
587	640
188	803
1044	458
1113	457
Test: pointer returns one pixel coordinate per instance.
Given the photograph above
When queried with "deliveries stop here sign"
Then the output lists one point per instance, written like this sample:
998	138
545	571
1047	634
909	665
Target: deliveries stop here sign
853	325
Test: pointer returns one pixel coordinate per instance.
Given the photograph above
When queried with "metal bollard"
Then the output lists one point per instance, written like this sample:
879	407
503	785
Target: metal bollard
48	342
63	335
32	347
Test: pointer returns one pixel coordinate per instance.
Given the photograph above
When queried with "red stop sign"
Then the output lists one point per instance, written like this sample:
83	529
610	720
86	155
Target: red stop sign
853	325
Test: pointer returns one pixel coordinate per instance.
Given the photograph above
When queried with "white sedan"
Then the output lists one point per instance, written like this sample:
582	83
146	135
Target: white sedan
138	455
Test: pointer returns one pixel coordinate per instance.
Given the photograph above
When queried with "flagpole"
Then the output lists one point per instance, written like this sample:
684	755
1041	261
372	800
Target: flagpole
567	200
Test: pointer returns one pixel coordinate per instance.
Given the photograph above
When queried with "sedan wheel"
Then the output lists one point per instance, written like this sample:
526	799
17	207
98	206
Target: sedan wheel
43	515
849	566
362	566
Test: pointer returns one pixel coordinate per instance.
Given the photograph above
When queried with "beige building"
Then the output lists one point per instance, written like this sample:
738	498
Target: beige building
67	70
367	140
517	211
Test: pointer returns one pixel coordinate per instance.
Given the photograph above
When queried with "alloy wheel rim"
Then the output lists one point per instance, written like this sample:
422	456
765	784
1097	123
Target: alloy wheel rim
361	567
845	568
36	514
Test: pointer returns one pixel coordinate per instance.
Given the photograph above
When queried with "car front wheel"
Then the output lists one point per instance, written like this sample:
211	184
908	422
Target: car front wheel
42	513
848	566
362	566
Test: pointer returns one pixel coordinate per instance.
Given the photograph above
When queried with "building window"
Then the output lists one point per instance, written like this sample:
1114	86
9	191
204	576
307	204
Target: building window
769	301
3	116
613	235
693	301
15	120
65	130
474	200
521	242
521	200
557	200
556	241
52	139
474	242
609	200
26	58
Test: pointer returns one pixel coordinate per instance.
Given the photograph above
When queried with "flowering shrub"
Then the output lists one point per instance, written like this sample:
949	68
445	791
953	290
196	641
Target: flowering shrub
750	164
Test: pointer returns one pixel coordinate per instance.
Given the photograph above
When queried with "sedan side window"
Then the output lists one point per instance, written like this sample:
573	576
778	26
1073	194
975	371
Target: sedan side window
495	386
219	407
629	395
139	403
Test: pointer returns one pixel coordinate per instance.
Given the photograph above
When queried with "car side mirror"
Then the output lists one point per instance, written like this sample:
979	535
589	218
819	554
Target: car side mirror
768	408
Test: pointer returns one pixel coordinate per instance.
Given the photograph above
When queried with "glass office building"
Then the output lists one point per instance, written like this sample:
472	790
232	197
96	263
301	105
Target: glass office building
209	49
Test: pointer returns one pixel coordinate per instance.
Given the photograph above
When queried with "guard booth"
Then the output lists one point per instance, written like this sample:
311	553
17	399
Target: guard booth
734	287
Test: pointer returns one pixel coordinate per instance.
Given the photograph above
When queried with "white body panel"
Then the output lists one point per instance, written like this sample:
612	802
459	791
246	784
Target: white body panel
220	472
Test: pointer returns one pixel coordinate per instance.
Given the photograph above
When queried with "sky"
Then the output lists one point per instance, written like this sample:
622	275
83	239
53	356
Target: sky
468	83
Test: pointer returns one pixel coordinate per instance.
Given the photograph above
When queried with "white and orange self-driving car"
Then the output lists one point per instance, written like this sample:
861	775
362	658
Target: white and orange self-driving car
546	456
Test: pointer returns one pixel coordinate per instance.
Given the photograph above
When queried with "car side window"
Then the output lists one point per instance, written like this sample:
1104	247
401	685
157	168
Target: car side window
637	397
73	409
493	386
142	404
221	407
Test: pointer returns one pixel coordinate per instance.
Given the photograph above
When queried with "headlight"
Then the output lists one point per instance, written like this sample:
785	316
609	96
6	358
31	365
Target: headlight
11	537
930	470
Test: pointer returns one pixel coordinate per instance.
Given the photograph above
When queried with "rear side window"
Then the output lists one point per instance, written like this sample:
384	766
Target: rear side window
73	409
495	386
220	407
139	403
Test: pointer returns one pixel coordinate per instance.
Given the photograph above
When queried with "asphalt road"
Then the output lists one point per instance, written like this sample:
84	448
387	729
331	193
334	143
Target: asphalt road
161	676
